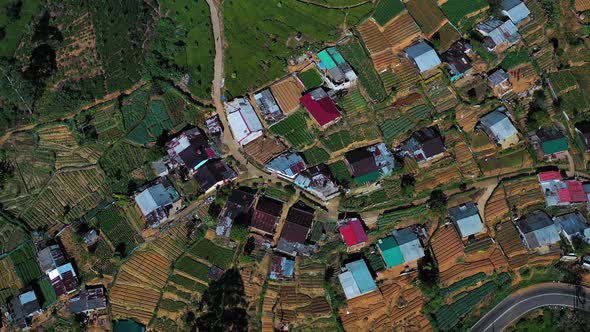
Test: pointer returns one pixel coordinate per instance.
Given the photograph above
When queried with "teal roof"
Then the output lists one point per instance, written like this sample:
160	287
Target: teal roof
336	55
326	59
361	276
554	145
392	255
128	326
370	177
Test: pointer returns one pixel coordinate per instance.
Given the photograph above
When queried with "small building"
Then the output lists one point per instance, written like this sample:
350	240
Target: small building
266	215
282	268
500	83
213	173
214	125
159	167
515	10
91	237
287	165
424	145
467	220
457	60
370	163
296	230
268	106
353	233
157	202
561	192
190	150
50	257
499	127
573	225
356	279
236	209
423	56
243	121
22	308
538	231
89	300
317	180
498	35
553	143
583	130
338	72
63	279
401	247
321	107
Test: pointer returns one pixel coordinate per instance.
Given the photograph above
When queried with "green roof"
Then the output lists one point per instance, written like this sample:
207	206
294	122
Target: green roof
373	176
326	59
128	326
390	251
336	55
554	146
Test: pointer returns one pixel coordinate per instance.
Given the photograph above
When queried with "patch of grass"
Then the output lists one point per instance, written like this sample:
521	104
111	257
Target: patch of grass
386	10
355	55
311	79
315	156
515	58
340	172
457	10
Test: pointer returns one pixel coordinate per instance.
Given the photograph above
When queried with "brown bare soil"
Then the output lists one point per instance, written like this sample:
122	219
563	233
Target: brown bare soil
465	160
264	149
447	246
496	207
287	93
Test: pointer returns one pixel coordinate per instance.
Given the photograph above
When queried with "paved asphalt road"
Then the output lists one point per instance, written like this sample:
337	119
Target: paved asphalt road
530	298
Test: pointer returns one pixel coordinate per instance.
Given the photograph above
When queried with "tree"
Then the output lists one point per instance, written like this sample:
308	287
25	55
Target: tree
580	245
437	203
408	182
249	246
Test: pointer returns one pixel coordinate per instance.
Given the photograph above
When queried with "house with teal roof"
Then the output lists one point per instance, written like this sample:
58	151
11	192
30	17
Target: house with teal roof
337	72
553	143
401	247
356	279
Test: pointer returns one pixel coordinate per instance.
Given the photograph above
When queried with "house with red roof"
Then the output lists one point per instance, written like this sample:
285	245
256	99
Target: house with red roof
558	191
353	233
321	107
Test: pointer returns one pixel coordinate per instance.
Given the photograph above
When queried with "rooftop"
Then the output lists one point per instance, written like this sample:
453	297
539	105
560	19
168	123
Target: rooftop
353	232
320	106
391	252
317	180
288	165
212	172
499	125
243	121
423	55
516	10
357	280
89	299
572	223
267	214
467	219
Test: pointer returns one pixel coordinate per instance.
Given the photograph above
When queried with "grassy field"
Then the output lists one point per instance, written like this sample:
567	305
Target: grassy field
510	160
515	58
214	254
193	268
310	79
386	10
294	129
155	122
456	10
340	172
25	263
337	141
118	161
354	53
426	13
261	36
13	21
315	155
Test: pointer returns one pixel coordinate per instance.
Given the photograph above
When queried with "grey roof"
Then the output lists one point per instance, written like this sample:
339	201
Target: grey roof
463	211
467	219
350	287
499	124
409	244
538	229
89	299
498	77
572	223
50	257
516	10
153	197
424	56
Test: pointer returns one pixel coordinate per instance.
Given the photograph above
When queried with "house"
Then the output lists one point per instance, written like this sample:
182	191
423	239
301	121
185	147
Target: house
353	233
214	125
338	73
89	300
356	279
317	180
457	60
236	209
538	231
402	246
467	220
212	173
499	82
243	121
515	10
583	130
266	215
573	225
424	145
50	257
159	167
561	192
498	35
282	268
63	279
158	202
321	107
296	229
499	128
90	237
268	106
553	143
423	56
370	163
190	149
22	308
287	165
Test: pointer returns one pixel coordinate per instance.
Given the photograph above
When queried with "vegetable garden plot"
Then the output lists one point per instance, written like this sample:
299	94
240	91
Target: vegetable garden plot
155	122
193	268
117	229
294	129
315	156
355	55
214	254
386	10
25	263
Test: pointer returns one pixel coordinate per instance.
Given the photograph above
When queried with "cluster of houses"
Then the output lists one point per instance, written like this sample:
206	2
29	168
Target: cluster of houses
90	301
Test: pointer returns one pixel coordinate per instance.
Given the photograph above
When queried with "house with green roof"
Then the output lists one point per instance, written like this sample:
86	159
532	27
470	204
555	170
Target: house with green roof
338	72
401	247
553	143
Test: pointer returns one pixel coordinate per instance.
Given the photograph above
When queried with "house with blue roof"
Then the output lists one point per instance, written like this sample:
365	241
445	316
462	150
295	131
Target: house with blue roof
401	248
498	35
423	56
287	165
499	128
356	279
157	202
515	10
467	220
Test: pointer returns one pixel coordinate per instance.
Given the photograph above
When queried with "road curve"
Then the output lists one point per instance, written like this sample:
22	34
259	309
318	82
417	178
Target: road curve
522	301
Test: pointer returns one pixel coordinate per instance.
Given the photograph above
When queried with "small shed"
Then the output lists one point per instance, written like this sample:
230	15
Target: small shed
424	56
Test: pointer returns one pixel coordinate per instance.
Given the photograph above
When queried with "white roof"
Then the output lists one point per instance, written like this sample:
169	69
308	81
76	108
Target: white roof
57	272
27	297
243	121
183	143
411	250
349	285
515	10
470	226
146	202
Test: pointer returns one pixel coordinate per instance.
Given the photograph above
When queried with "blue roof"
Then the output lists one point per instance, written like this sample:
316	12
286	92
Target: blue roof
287	164
27	297
424	56
361	276
498	123
516	10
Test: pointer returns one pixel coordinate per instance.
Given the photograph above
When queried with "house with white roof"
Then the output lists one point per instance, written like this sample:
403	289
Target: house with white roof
356	279
499	127
423	56
515	10
243	121
467	220
573	225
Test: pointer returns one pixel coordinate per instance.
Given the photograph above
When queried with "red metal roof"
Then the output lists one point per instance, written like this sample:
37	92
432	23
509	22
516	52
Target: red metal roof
323	110
353	233
549	176
574	193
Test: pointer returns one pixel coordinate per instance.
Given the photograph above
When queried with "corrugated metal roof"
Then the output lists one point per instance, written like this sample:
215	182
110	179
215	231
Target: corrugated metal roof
500	125
572	223
470	225
362	276
507	32
146	202
349	286
326	59
424	56
549	176
27	297
287	164
554	146
390	251
498	77
515	10
243	121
